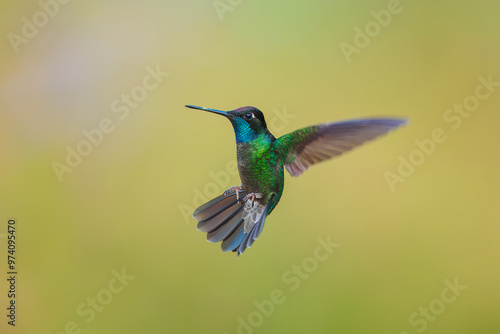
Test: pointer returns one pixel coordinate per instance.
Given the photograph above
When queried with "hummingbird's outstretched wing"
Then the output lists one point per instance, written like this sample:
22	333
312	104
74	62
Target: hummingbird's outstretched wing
311	145
225	219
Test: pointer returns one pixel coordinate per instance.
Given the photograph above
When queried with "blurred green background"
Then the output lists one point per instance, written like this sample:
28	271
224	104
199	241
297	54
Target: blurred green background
124	205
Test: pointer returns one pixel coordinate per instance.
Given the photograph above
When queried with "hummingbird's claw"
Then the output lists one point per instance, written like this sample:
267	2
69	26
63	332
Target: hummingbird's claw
236	189
250	197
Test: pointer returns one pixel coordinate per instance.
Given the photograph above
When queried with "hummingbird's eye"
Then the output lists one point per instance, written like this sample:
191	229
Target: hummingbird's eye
248	116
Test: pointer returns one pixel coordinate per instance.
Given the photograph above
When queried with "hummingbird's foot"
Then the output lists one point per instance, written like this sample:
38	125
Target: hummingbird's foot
251	197
236	189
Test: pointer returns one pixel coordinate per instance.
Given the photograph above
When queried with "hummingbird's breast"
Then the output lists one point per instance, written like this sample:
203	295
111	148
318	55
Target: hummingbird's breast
259	169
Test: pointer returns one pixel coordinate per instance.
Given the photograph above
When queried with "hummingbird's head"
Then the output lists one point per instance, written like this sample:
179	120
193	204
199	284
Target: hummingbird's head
248	122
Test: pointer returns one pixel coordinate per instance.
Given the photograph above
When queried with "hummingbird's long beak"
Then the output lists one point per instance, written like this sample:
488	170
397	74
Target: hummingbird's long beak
215	111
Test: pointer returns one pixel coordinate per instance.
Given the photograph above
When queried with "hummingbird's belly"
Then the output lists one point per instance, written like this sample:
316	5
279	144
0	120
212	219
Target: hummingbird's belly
261	180
259	171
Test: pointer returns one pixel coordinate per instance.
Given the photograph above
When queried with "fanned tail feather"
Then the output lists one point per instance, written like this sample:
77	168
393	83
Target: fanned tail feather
225	219
254	233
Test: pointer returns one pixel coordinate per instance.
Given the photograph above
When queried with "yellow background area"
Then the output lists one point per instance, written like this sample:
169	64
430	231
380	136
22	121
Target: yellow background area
414	215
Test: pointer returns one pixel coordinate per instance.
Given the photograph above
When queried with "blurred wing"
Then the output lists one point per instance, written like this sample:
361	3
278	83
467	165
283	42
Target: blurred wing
317	143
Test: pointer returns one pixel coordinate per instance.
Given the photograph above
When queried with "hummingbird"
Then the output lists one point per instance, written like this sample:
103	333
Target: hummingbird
237	216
